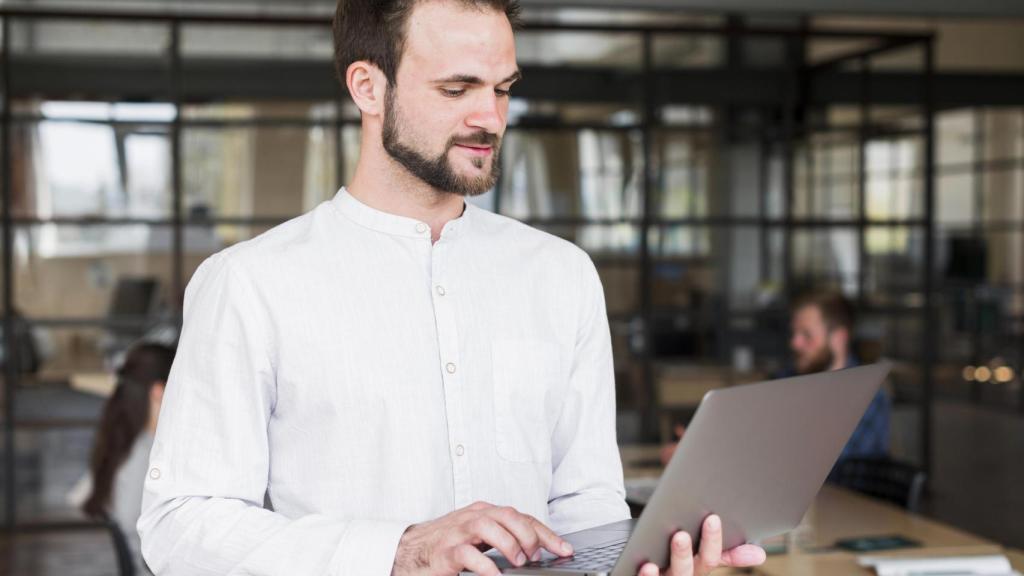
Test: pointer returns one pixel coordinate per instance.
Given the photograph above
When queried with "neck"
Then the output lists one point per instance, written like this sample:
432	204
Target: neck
154	413
839	360
383	184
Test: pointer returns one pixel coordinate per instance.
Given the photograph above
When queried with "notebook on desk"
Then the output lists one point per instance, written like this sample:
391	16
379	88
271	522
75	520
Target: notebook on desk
988	565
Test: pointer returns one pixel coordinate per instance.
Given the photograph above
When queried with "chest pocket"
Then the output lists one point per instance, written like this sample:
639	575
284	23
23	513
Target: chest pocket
526	374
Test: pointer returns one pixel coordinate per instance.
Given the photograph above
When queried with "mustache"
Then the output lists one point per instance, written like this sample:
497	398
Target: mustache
476	139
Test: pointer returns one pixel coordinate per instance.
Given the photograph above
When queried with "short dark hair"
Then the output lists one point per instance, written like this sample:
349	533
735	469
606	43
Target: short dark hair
374	31
836	309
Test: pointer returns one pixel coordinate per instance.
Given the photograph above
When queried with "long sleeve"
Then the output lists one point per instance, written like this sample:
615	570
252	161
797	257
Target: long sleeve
202	509
587	485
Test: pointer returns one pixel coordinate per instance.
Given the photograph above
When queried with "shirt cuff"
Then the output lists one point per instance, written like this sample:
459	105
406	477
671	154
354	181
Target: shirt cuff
368	548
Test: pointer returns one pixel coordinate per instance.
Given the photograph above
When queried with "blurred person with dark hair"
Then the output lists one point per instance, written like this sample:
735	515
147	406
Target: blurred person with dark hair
120	454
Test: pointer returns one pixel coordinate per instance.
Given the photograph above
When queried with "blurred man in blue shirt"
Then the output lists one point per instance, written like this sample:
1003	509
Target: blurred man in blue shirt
822	325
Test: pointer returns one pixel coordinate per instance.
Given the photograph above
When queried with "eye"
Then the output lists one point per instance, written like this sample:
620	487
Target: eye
452	93
501	93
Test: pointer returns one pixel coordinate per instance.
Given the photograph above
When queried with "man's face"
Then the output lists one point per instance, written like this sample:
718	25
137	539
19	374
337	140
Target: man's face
810	341
445	117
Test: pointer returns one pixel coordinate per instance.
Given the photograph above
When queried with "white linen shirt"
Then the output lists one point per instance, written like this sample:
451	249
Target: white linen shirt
364	378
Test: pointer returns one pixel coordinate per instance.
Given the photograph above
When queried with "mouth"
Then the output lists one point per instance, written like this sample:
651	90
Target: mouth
475	150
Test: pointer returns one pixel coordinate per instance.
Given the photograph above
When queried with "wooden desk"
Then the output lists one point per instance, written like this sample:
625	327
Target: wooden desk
838	513
1016	559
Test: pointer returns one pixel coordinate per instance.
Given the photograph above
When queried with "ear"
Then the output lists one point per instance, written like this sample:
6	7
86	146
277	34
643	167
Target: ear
839	340
367	86
156	392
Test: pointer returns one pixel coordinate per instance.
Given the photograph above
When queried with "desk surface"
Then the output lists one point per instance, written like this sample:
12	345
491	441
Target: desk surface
837	513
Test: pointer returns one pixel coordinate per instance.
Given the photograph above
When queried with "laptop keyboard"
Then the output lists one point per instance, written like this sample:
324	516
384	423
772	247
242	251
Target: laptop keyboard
597	558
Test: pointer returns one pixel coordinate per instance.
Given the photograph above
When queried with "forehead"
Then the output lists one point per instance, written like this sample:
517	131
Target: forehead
808	317
447	37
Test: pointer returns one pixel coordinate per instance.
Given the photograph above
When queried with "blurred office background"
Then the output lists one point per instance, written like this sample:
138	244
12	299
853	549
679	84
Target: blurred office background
713	161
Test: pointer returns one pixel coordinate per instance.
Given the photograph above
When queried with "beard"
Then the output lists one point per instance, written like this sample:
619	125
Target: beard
819	361
438	172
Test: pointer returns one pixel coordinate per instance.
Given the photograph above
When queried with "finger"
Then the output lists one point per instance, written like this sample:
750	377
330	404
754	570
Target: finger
549	540
521	527
649	569
744	556
681	563
469	558
710	556
489	531
479	505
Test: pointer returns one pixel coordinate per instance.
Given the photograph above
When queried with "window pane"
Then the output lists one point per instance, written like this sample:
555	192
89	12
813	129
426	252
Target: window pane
287	42
116	164
686	165
1004	133
894	269
955	137
672	241
825	179
678	51
825	257
273	172
121	270
586	173
540	113
583	49
1003	199
955	199
46	37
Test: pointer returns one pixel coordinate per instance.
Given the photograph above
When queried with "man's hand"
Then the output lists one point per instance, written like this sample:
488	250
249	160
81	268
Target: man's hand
454	542
711	556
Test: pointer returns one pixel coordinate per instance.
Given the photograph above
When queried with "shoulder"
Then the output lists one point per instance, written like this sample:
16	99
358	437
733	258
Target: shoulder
272	253
517	237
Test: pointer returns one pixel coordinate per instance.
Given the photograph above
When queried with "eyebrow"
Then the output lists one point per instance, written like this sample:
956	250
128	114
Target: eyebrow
476	80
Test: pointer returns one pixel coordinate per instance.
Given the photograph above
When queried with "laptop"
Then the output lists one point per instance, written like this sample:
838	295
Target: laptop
756	455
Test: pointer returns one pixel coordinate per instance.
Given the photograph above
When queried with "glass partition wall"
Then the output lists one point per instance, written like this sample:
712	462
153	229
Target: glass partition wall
712	167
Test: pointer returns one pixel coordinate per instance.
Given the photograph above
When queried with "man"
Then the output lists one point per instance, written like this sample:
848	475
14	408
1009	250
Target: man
821	324
822	327
406	379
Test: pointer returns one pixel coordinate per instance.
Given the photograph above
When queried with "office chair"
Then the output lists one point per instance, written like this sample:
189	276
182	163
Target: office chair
896	482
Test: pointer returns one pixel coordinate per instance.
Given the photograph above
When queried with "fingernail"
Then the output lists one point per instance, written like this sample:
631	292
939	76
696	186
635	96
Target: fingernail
714	523
566	548
520	559
536	556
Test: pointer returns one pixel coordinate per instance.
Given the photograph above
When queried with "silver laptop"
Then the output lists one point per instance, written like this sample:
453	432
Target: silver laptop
756	455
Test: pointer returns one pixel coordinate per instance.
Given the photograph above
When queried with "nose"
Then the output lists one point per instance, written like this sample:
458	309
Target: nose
488	113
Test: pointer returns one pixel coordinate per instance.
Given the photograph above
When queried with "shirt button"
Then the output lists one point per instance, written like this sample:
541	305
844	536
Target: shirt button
154	473
459	450
421	228
450	368
440	290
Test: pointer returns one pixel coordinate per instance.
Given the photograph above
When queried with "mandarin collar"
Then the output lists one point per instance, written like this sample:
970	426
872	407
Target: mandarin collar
394	224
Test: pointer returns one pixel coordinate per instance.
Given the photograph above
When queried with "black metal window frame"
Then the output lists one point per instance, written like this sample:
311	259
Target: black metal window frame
732	31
